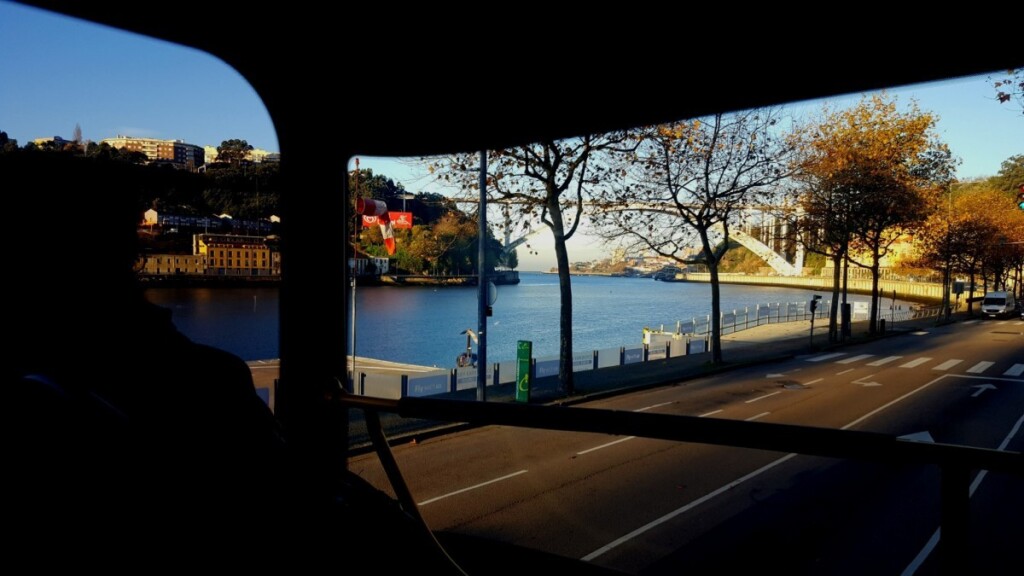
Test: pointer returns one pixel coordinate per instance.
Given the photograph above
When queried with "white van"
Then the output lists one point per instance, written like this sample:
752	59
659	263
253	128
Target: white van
998	304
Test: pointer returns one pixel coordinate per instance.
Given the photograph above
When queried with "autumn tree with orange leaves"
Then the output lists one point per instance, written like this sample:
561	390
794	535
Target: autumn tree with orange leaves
890	168
980	234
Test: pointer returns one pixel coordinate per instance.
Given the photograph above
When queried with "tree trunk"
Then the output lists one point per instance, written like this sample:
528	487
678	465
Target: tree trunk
875	273
716	315
833	312
716	301
847	328
565	374
970	293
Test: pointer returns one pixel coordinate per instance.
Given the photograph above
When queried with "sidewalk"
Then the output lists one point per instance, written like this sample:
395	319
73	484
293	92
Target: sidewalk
767	343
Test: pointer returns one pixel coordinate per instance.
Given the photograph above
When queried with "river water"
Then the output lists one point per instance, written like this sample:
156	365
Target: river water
422	325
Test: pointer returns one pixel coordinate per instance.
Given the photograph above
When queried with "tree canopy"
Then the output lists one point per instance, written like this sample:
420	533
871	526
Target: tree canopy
541	183
233	151
695	178
884	168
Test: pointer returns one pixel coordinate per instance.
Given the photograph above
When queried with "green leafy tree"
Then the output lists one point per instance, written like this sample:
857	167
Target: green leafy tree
233	151
7	144
105	151
510	259
250	191
1011	175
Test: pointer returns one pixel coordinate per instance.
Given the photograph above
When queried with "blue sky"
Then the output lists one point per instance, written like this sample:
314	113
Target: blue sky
56	72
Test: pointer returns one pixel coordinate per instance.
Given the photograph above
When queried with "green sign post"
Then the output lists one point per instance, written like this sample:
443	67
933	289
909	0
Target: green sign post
524	350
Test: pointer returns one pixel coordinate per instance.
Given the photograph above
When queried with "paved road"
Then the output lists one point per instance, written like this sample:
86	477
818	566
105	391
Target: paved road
658	507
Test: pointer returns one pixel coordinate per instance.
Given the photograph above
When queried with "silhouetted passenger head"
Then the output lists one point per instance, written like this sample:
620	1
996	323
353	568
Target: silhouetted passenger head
72	252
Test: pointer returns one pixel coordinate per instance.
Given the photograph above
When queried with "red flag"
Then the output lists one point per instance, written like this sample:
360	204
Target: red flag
377	210
401	219
387	232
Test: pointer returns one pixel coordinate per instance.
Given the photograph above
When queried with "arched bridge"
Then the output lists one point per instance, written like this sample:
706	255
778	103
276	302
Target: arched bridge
772	240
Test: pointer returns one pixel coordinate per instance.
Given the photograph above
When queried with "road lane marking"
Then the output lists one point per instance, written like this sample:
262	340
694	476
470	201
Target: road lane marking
891	403
826	357
911	569
657	522
947	364
844	371
915	363
612	443
723	489
815	381
752	418
863	381
762	397
709	413
979	367
853	359
885	360
1015	370
646	408
621	440
969	322
474	487
981	389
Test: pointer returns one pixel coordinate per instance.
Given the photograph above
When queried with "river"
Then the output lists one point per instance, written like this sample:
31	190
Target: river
422	325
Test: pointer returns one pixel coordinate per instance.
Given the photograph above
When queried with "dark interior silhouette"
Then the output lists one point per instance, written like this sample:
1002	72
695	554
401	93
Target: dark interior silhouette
354	81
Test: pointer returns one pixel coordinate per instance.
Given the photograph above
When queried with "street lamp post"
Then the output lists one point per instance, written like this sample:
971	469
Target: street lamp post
405	197
483	296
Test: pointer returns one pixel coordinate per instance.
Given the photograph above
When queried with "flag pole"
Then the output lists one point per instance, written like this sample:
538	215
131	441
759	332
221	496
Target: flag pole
352	280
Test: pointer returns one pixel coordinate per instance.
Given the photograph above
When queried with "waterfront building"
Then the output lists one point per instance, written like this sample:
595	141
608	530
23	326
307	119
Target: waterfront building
174	152
373	266
231	255
175	264
219	255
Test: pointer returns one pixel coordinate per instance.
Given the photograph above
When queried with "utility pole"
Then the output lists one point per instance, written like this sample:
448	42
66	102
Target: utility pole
483	296
352	279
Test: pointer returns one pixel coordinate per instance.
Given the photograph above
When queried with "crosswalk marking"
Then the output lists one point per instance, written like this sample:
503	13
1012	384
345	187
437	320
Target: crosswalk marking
853	359
826	357
947	364
980	367
1015	370
915	363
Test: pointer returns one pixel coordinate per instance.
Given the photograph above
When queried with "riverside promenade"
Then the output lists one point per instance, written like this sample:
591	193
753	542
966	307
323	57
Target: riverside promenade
760	344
